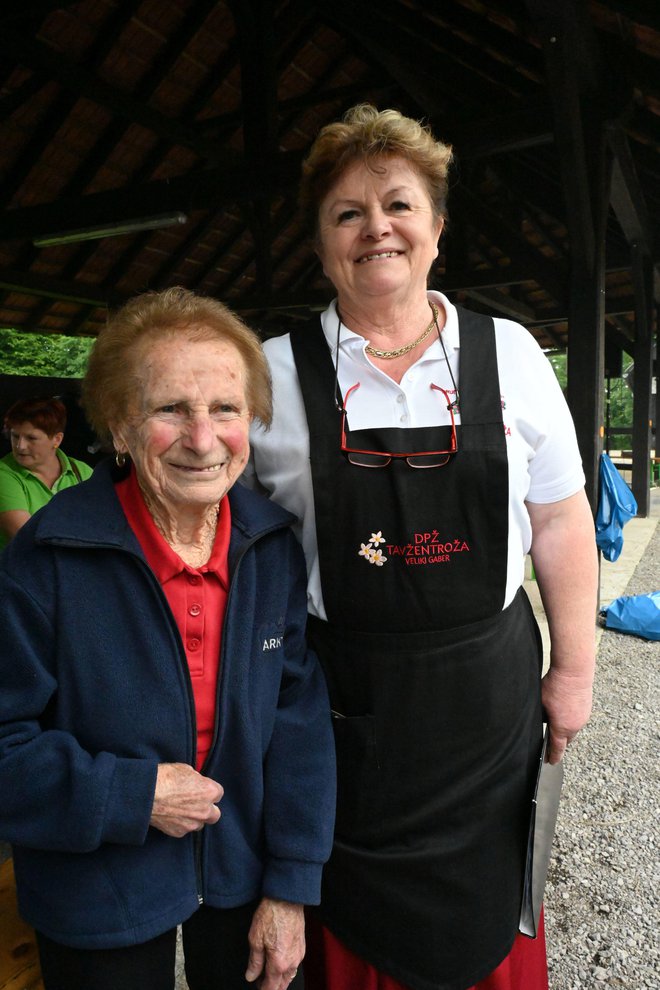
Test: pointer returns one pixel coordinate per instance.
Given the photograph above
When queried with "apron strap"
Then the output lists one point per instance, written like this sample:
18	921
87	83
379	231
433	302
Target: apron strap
479	384
316	374
479	381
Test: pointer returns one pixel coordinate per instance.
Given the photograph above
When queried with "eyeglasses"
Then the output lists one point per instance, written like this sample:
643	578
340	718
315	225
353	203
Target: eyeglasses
414	459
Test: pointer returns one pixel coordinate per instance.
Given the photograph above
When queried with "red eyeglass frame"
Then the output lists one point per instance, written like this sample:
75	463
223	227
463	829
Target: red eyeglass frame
388	454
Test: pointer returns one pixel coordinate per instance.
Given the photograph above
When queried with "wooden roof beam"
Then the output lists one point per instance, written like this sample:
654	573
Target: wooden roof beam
409	60
510	241
628	203
235	182
18	49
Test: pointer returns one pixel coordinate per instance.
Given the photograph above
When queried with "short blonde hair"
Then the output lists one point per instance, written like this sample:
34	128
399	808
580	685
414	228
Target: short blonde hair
368	135
112	377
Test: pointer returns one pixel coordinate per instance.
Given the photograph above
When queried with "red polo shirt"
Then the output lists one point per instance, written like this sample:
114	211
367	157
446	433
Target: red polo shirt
196	596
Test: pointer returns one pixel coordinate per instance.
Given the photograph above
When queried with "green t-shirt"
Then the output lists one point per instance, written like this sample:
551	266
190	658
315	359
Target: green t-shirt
22	490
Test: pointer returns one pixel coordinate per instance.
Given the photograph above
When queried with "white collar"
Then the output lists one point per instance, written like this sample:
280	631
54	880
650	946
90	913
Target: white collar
355	342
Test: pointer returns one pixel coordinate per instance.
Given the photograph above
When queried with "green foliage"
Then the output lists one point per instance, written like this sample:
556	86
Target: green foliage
44	355
558	362
618	399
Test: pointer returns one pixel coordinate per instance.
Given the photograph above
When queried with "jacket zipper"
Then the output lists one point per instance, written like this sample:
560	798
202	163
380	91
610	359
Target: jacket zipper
198	836
199	875
232	577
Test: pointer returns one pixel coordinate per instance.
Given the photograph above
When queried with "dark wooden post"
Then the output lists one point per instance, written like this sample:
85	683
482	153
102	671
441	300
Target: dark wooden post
656	373
574	82
641	437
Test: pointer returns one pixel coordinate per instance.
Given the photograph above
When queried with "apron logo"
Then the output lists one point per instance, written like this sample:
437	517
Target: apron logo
428	548
371	551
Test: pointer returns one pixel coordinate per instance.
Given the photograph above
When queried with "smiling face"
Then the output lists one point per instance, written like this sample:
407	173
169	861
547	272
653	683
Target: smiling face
188	433
378	234
33	449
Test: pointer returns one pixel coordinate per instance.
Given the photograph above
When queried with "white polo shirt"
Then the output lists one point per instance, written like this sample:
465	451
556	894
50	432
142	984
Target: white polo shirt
544	460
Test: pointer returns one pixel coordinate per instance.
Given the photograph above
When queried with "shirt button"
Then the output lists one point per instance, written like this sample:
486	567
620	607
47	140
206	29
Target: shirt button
194	644
403	418
195	609
194	579
399	398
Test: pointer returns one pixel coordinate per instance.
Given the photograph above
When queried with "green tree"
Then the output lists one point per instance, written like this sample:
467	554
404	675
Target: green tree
558	362
618	397
43	355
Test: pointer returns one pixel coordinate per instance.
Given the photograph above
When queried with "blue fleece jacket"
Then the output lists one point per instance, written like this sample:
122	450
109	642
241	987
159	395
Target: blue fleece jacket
95	693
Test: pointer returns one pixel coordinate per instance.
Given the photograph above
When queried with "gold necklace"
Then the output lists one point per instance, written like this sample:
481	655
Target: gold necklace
375	352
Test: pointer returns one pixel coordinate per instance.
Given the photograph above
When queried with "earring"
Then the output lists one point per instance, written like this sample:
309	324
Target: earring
120	459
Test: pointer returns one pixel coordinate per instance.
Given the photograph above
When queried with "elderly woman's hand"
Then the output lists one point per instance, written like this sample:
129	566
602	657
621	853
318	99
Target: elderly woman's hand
184	800
277	944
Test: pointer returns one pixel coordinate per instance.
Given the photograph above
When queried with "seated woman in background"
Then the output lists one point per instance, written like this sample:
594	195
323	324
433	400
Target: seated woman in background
36	468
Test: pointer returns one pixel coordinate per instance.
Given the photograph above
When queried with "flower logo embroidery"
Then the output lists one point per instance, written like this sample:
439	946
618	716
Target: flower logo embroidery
371	551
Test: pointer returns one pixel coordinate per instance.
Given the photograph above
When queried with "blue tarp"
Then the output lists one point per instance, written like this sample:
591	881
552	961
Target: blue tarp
616	505
636	614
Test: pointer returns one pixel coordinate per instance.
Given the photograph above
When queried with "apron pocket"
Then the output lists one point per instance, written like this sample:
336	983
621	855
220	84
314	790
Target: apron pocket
357	819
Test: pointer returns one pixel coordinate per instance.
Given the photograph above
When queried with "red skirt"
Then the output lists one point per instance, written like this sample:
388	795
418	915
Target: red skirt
329	965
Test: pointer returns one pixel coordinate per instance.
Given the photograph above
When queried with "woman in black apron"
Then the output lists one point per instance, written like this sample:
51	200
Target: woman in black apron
433	664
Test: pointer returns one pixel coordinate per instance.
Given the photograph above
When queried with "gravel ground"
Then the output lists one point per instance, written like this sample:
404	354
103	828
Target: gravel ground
602	895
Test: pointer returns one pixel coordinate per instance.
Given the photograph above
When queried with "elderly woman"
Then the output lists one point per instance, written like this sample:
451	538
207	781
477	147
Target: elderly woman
166	752
425	450
37	467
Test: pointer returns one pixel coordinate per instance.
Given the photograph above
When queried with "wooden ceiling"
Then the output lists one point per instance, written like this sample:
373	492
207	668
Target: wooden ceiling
114	111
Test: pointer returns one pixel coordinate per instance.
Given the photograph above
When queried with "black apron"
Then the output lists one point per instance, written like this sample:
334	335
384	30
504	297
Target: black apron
435	689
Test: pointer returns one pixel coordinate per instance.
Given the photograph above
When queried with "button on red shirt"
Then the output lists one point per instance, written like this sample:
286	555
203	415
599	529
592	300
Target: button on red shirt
196	596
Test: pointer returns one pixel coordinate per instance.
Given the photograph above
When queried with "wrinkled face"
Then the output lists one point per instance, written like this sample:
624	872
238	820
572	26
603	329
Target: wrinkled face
188	433
33	449
378	232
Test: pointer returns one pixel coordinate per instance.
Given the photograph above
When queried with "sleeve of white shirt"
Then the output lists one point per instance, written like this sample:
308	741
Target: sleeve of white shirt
280	459
537	413
279	453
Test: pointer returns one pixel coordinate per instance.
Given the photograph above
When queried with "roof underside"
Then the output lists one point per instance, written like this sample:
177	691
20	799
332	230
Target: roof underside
124	110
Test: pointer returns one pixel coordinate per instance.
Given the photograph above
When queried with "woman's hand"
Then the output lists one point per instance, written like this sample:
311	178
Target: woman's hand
566	699
277	944
184	800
